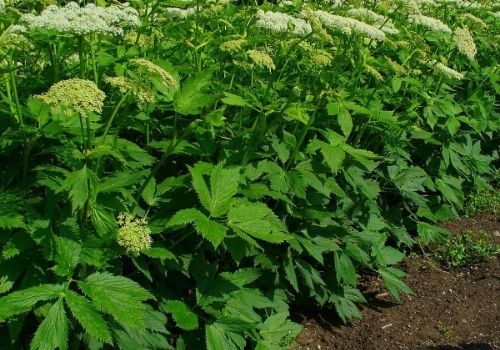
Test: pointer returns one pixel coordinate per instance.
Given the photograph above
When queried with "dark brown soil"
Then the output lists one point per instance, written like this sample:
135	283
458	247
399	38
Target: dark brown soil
457	309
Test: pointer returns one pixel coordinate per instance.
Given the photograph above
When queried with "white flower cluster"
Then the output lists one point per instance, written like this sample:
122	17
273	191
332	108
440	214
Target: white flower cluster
465	42
367	15
445	70
282	22
349	26
2	6
426	2
462	3
430	23
78	20
475	22
179	13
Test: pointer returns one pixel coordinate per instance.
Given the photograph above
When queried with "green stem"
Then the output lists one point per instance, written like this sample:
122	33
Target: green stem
16	95
94	64
83	134
81	56
112	117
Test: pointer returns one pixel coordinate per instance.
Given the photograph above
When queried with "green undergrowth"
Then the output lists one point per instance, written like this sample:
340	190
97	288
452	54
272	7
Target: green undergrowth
466	249
178	174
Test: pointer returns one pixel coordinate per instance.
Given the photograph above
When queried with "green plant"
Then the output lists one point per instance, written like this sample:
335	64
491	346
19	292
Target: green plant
466	249
446	331
481	200
177	175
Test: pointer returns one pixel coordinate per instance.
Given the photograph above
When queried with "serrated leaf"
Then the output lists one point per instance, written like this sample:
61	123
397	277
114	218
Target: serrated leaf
277	332
149	193
234	100
191	99
345	303
160	253
89	318
389	256
392	280
345	121
110	293
297	113
53	331
257	220
182	314
67	255
216	339
24	300
345	271
429	233
223	187
209	229
290	273
334	156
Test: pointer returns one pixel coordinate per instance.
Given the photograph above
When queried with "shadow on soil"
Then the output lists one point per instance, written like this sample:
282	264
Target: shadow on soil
470	346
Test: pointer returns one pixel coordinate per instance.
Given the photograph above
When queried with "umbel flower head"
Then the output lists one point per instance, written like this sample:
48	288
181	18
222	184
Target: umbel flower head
261	59
281	22
73	19
232	45
149	70
445	70
465	42
133	234
74	96
138	90
430	23
349	26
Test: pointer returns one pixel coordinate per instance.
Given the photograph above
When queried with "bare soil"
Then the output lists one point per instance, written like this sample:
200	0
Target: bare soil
450	310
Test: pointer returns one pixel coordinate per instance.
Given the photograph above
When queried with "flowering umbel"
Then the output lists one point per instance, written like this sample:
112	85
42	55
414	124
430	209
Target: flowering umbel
133	234
74	96
73	19
261	59
128	86
149	70
465	42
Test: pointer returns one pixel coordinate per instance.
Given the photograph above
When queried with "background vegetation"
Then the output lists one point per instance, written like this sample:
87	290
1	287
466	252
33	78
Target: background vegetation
178	174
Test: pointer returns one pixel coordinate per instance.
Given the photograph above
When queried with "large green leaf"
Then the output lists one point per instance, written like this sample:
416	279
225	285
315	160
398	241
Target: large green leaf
257	220
67	255
53	331
119	296
90	319
182	314
24	300
223	187
192	97
209	229
392	280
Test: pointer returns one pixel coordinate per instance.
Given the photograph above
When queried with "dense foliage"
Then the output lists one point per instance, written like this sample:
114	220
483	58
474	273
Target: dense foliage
177	174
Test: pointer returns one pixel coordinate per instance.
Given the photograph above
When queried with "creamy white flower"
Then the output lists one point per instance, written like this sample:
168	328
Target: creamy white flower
462	3
430	23
349	26
282	22
425	2
374	18
179	13
445	70
475	22
2	6
84	20
465	42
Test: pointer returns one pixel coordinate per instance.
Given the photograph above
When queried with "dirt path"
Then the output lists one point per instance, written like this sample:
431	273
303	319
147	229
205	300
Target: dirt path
450	310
